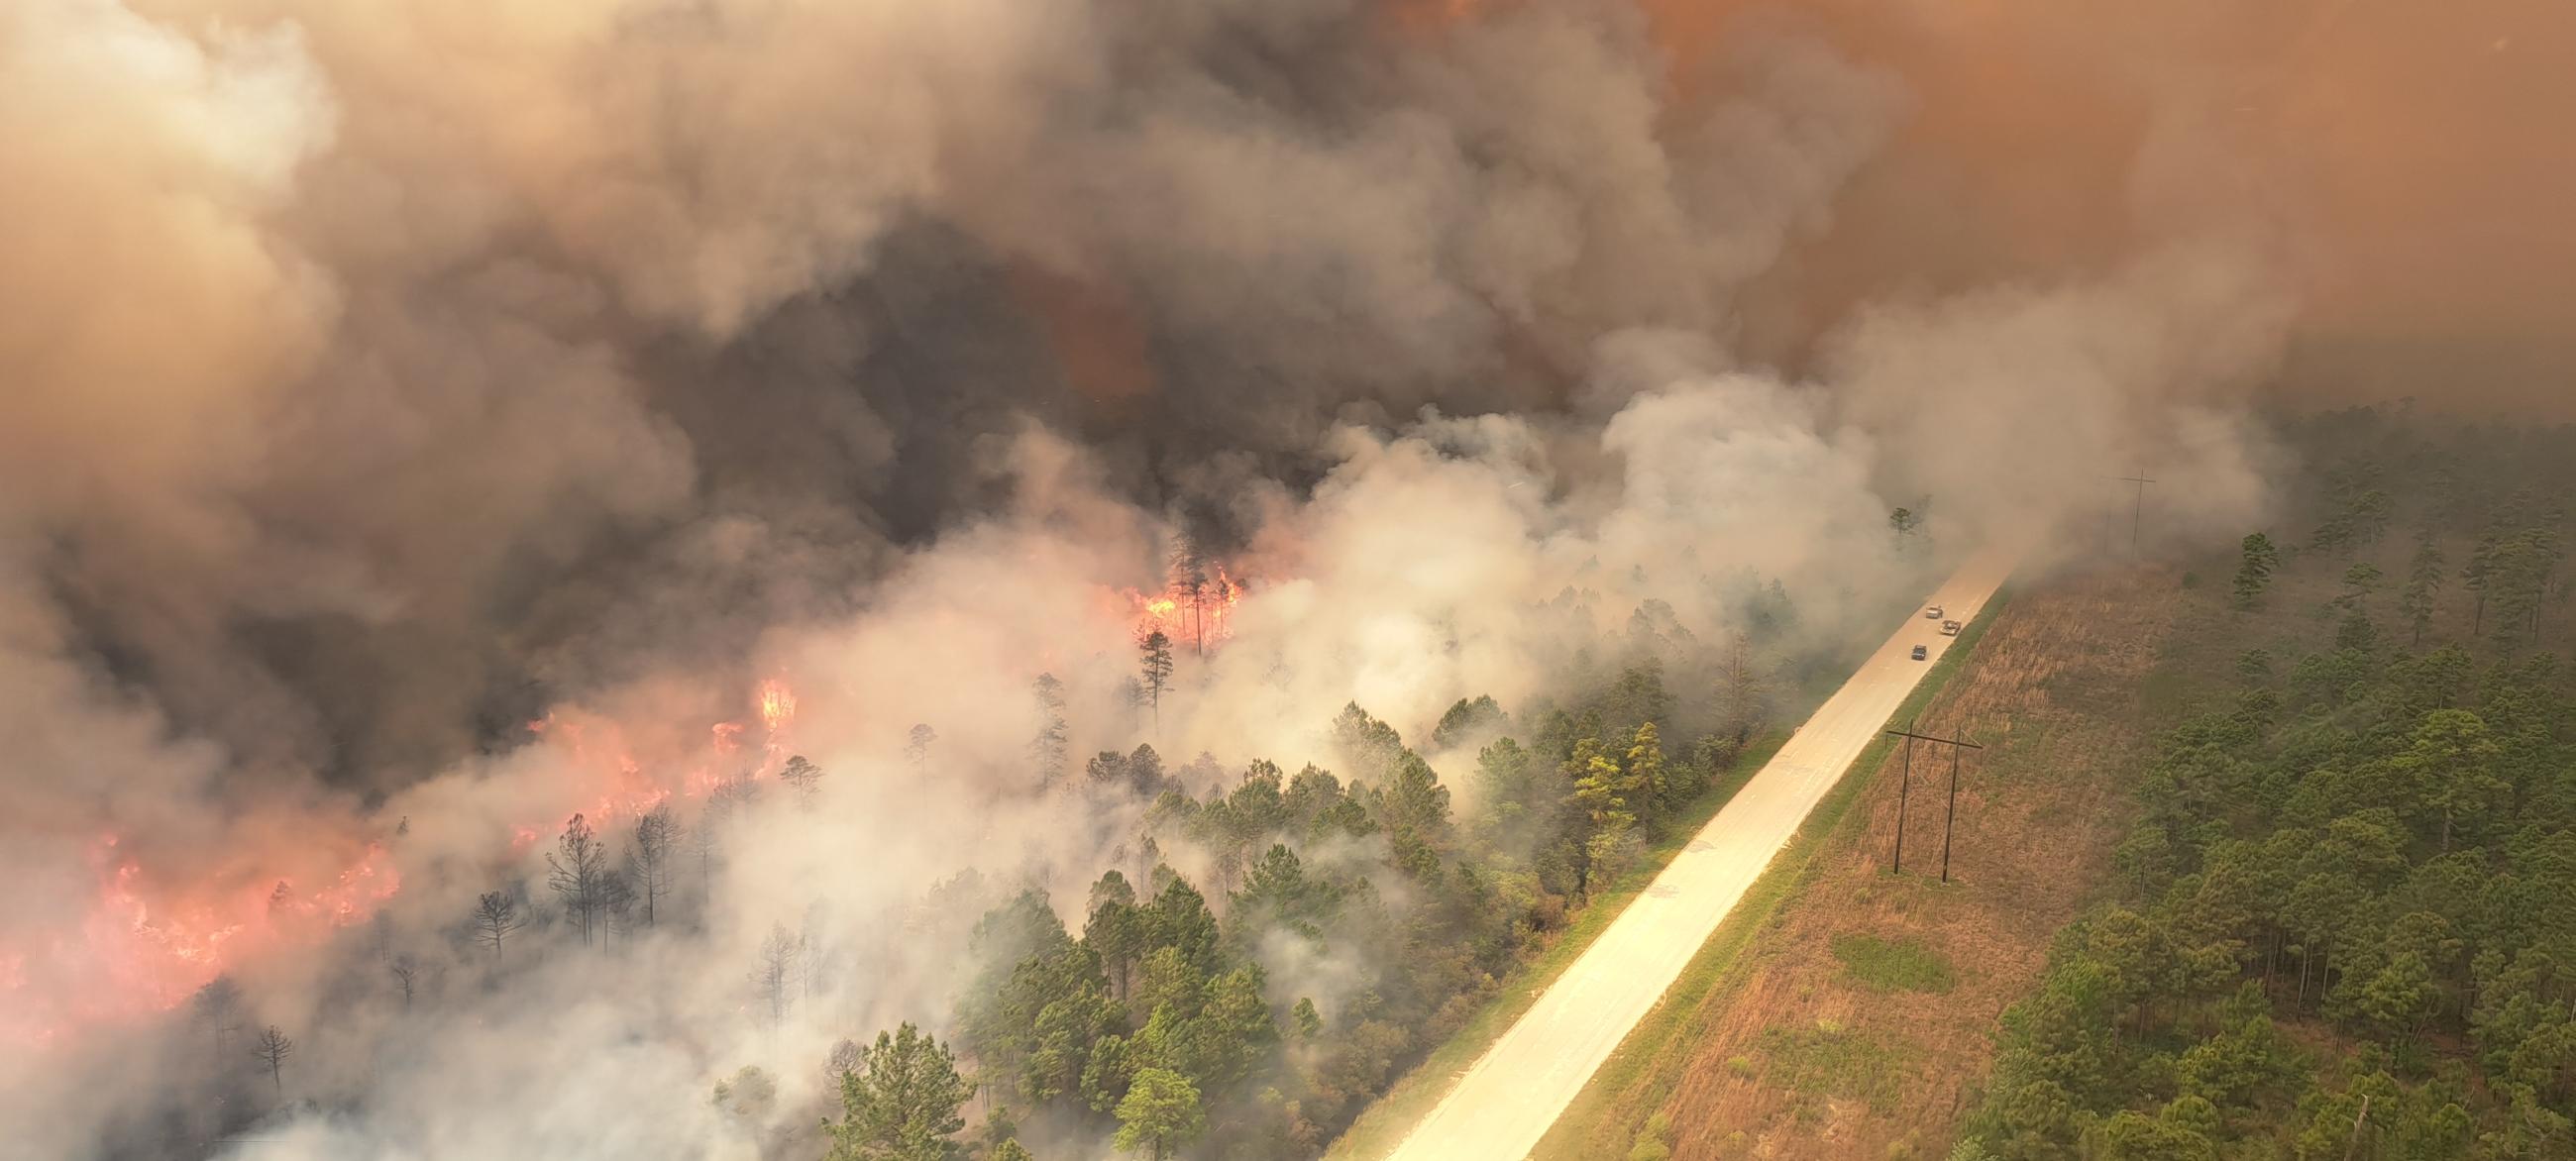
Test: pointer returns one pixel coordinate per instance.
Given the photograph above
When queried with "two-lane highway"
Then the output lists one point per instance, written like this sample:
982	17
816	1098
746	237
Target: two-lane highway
1507	1100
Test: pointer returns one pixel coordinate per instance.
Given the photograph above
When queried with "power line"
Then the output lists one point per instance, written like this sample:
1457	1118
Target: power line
1905	786
2137	514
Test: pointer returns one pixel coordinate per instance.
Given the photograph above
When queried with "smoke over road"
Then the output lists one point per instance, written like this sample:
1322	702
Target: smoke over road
378	379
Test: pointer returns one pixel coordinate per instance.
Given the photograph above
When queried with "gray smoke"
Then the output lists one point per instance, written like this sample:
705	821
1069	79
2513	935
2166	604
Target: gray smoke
381	378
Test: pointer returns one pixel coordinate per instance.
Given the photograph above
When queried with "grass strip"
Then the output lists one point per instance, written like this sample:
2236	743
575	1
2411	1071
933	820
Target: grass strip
1639	1077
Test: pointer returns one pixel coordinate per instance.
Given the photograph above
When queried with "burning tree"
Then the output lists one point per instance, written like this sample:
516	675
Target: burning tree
1192	607
1189	584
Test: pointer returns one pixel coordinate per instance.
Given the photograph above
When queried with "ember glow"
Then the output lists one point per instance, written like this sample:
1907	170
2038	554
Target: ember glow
148	942
1196	618
146	946
777	704
437	413
600	759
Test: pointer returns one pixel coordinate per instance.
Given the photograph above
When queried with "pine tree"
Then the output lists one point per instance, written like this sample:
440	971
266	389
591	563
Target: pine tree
802	776
657	839
1154	654
272	1048
1604	791
901	1103
578	872
1161	1111
496	915
1646	769
774	973
2423	588
2473	577
1743	702
2255	574
218	1005
1049	749
1904	522
1189	578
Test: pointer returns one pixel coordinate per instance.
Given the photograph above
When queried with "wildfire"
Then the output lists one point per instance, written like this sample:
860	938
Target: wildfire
1196	619
601	756
146	945
777	704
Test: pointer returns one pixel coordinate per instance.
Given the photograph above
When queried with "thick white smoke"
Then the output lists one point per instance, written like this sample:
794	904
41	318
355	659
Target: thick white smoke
376	378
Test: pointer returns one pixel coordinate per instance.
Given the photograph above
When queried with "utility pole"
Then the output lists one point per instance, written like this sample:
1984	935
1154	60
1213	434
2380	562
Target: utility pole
1904	786
1949	819
2138	512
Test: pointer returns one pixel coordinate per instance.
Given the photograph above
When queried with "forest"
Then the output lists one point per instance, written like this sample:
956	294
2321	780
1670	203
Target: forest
2343	925
1157	1022
1262	953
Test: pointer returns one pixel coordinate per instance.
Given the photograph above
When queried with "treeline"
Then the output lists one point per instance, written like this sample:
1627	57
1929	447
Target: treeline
608	888
2345	923
1386	919
1263	956
1330	929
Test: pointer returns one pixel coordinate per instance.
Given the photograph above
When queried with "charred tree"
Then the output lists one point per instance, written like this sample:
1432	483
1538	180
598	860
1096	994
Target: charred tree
272	1049
579	874
496	915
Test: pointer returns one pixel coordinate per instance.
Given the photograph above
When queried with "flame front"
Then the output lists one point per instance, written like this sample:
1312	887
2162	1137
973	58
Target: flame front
777	704
146	947
146	944
1200	619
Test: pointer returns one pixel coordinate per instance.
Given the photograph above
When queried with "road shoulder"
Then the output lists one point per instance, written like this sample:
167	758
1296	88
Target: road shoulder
1843	1012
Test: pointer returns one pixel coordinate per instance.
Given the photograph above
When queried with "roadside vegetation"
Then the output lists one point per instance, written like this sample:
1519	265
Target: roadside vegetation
1273	949
1729	1024
2343	923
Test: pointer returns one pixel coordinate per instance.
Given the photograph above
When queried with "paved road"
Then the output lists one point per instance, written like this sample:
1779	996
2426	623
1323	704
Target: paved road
1507	1100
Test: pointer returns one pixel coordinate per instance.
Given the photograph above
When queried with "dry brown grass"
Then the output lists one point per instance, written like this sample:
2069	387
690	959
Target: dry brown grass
2056	694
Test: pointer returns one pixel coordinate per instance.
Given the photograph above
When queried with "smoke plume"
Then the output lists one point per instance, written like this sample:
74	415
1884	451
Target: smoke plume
383	378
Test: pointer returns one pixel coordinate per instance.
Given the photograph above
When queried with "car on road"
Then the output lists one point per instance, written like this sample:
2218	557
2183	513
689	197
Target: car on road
1921	652
1932	613
1950	628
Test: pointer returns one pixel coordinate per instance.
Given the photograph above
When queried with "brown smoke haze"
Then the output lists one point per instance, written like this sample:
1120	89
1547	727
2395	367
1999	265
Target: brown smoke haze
2398	154
378	377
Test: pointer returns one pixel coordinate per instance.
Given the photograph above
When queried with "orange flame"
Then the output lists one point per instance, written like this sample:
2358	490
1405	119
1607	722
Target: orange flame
601	755
777	704
146	946
1204	619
